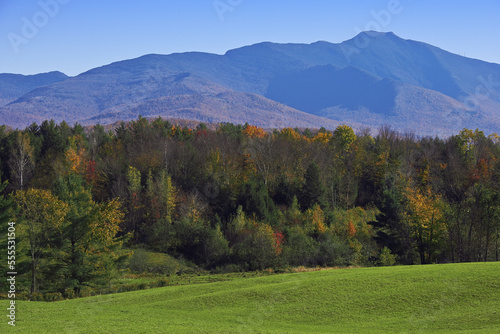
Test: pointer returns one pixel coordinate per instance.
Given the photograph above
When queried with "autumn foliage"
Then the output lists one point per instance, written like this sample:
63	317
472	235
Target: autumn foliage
241	197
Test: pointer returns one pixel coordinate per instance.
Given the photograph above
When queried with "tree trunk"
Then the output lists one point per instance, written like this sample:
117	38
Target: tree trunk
496	248
487	244
461	250
33	274
421	248
430	243
469	244
452	246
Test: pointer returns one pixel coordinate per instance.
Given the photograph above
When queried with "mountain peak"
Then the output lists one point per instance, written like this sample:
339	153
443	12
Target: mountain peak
377	34
375	78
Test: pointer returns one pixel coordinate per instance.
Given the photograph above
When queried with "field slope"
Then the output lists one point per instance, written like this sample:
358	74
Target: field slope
448	298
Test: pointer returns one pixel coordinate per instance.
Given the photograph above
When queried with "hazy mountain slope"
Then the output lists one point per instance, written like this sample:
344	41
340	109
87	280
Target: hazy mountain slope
325	86
372	79
176	96
13	86
349	94
87	95
228	106
418	110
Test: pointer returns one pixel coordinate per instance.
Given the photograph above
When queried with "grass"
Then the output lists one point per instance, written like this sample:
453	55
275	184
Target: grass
461	298
184	279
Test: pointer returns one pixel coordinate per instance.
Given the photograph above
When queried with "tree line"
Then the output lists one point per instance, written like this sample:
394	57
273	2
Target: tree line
242	198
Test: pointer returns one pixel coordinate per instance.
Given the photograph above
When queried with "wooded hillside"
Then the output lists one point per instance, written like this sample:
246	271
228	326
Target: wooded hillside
241	198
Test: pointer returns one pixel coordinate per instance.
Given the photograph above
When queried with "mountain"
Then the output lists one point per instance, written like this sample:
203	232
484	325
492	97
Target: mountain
370	80
13	86
321	87
98	98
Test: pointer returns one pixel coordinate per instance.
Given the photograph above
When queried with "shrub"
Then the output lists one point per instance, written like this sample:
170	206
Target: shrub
52	297
230	268
333	251
143	261
138	261
199	242
300	249
386	258
256	248
162	283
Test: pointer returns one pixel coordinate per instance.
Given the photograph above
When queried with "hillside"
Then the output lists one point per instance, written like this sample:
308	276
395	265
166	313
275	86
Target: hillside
227	107
389	80
425	299
13	86
182	96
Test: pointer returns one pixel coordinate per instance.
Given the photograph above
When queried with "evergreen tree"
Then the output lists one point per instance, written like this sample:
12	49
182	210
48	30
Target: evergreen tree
312	190
5	219
255	200
90	248
391	230
285	192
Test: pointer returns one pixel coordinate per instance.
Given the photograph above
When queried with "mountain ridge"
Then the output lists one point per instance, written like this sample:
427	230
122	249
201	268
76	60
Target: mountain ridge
13	86
385	80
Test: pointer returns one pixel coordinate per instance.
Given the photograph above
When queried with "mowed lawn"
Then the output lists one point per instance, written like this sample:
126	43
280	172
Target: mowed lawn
462	298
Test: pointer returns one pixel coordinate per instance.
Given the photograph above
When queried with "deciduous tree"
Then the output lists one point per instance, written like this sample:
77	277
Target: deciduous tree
40	221
22	161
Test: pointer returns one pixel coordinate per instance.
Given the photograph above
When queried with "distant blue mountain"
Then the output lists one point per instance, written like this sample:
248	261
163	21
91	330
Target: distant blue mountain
372	79
323	86
13	86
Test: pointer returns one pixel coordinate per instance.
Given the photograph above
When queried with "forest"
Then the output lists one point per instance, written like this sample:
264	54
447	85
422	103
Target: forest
240	198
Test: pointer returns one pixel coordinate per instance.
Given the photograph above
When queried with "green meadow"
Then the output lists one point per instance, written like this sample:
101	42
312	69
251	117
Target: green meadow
449	298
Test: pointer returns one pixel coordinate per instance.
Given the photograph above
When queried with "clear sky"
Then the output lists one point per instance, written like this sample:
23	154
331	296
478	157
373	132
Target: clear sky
73	36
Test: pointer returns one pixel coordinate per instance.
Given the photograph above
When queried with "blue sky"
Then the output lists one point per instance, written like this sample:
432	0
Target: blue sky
73	36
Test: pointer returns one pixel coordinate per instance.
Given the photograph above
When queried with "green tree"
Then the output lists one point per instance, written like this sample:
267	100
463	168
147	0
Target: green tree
300	249
135	204
312	190
391	231
196	240
256	246
41	218
162	204
255	200
6	206
90	246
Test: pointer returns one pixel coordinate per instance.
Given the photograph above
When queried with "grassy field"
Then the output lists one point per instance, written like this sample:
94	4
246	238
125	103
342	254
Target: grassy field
462	298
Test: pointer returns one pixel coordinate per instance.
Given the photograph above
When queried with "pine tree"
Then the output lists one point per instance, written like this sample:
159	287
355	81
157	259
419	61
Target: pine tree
5	218
391	230
90	247
255	200
312	190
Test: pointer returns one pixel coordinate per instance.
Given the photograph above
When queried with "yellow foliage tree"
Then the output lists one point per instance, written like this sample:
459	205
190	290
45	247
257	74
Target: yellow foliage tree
75	155
315	218
290	133
40	219
424	214
322	137
344	137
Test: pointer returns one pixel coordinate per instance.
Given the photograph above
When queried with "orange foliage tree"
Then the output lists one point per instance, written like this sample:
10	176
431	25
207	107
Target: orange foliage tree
253	131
